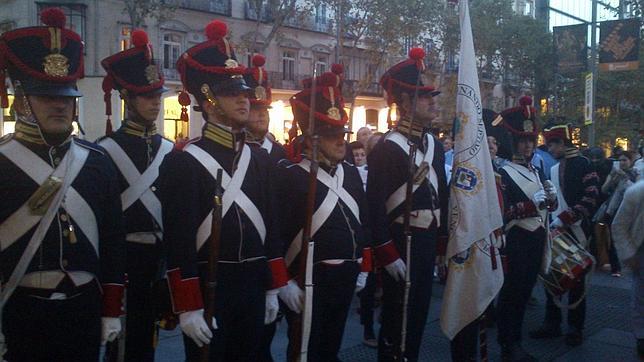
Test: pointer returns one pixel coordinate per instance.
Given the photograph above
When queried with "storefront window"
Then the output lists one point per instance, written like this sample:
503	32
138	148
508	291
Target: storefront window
8	121
173	127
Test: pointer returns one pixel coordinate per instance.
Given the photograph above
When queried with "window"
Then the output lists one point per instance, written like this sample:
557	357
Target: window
528	8
372	118
320	14
249	57
124	38
321	64
288	65
76	17
171	50
8	120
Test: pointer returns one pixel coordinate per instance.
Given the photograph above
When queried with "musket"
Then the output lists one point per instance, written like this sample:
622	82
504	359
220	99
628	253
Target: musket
115	350
409	190
305	275
214	243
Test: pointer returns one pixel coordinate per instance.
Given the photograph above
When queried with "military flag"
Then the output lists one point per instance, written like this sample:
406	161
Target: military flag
475	275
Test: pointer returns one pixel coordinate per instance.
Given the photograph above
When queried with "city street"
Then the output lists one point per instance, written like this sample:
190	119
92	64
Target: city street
608	334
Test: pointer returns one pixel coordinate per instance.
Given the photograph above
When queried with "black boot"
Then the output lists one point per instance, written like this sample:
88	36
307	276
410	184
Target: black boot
574	338
546	331
369	338
640	347
515	353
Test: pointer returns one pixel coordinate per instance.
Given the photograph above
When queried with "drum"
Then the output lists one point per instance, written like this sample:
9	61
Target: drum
570	263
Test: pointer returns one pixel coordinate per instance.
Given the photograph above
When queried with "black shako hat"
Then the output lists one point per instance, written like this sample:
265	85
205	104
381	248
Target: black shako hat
330	115
131	72
42	60
407	77
210	69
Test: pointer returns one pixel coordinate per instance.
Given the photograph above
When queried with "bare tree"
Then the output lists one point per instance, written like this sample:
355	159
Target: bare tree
276	14
380	32
139	10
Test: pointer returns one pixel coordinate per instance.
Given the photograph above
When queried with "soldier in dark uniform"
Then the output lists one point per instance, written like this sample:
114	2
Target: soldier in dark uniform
250	268
339	221
257	137
257	126
578	183
137	150
526	200
338	74
386	186
60	207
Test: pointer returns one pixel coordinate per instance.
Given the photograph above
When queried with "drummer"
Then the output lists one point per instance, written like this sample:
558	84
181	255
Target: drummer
577	203
526	202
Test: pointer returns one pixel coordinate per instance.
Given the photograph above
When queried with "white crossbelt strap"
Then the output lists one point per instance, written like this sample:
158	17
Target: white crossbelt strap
398	197
562	206
267	145
232	191
70	167
529	183
21	221
139	184
336	192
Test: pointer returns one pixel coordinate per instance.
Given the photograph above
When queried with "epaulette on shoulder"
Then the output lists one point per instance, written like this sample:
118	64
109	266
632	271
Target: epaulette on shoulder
6	138
89	145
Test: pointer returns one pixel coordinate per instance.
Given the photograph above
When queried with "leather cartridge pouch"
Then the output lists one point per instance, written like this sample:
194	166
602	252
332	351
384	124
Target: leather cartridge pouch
41	199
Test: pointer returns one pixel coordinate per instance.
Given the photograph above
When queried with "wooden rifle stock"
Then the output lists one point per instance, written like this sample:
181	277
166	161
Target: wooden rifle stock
409	193
214	243
302	325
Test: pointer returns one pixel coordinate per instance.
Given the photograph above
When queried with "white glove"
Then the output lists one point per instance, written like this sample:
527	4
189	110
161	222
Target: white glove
397	269
551	190
539	198
361	281
110	329
272	306
557	223
292	295
194	325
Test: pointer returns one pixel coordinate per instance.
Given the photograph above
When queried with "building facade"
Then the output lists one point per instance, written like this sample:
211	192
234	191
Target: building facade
105	28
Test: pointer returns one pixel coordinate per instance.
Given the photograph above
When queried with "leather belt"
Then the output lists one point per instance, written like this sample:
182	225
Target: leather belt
340	261
50	280
149	238
57	294
421	219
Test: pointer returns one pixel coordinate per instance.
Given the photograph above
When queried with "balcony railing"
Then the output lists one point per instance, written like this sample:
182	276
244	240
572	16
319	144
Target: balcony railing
277	81
299	22
372	90
170	74
250	12
212	6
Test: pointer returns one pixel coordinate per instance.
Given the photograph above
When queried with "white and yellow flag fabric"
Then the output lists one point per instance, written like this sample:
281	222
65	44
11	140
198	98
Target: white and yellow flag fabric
475	275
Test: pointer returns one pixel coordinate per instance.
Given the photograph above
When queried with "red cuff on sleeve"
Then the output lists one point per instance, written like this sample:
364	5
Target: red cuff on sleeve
567	217
112	300
527	209
278	272
441	245
386	253
186	293
367	260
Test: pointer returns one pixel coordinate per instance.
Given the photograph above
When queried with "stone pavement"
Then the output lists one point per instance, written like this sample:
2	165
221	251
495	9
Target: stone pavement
607	334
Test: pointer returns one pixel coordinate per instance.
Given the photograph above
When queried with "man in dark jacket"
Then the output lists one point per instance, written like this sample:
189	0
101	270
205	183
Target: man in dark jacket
578	184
